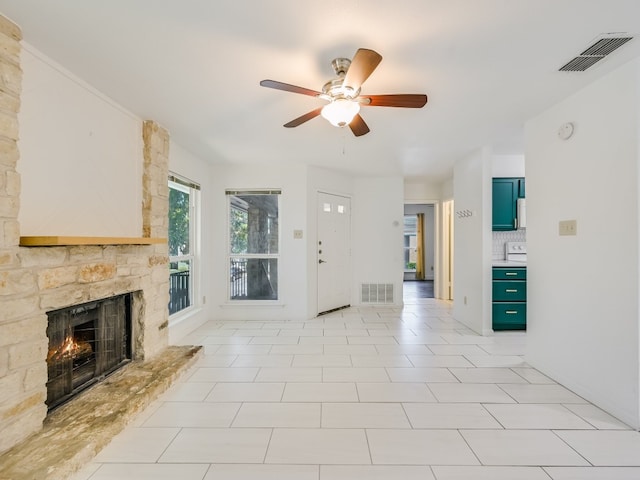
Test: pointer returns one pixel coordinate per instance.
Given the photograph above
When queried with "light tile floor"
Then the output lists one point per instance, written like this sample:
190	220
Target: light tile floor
367	394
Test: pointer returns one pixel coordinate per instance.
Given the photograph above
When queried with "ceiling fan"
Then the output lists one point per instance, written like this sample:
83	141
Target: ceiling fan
343	93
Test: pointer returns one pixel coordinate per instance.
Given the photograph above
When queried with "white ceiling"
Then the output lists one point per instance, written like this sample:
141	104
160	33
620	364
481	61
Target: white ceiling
194	66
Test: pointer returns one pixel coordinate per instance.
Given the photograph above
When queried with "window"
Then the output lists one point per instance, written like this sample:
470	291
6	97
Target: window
410	242
254	243
183	203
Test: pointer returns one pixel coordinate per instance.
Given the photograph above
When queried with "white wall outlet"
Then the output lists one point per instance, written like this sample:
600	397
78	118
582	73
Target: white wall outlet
297	234
568	227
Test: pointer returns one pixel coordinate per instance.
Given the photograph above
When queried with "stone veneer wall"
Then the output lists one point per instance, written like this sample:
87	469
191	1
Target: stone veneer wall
34	280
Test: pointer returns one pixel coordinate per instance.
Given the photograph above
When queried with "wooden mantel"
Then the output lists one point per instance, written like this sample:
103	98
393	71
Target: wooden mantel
57	241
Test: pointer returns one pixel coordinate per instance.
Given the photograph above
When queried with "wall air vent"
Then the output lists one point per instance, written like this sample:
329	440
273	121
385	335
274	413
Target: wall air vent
600	48
381	293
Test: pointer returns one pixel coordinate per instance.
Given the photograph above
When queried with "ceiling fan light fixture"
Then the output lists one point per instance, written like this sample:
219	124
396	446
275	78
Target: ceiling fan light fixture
340	111
343	94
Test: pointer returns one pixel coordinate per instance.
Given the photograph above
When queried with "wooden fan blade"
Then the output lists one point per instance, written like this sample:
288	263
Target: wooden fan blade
363	64
288	88
304	118
358	126
399	100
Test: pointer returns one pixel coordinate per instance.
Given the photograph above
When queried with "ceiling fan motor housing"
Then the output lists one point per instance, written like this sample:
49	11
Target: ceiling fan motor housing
340	66
335	88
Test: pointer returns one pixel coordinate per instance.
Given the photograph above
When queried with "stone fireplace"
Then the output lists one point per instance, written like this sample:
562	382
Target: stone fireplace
62	273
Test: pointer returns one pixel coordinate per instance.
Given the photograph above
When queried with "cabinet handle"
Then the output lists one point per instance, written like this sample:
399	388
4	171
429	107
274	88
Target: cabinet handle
511	312
515	223
511	274
511	290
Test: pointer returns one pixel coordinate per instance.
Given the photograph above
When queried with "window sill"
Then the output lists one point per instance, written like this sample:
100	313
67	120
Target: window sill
253	303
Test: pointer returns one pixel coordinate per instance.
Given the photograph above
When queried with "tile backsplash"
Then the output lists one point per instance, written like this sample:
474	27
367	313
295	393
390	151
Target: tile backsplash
500	238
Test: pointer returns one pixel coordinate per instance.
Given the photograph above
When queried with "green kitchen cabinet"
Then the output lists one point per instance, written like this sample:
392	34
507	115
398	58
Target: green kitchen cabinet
509	316
509	307
505	273
505	194
521	189
509	291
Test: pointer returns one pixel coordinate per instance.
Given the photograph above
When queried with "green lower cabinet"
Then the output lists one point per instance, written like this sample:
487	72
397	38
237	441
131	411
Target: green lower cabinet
509	316
506	291
509	298
509	273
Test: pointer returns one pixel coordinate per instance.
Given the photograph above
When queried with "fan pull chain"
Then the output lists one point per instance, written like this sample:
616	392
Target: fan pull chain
344	142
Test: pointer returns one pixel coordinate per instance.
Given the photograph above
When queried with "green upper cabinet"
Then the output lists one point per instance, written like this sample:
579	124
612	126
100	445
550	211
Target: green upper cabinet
506	192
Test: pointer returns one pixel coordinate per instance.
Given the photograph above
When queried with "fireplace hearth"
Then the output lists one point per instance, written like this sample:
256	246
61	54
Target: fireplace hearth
86	343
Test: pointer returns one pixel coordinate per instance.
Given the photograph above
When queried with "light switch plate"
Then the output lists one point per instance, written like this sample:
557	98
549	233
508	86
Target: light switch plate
568	227
297	234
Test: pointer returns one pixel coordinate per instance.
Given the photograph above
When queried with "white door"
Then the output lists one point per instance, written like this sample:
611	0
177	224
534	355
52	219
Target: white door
333	252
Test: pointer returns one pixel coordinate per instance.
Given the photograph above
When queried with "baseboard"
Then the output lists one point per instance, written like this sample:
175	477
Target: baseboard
185	324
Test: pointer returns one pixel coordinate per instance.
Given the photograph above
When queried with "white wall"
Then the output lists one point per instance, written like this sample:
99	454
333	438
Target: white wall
507	166
583	290
293	266
473	241
187	165
80	157
377	233
377	213
446	190
416	191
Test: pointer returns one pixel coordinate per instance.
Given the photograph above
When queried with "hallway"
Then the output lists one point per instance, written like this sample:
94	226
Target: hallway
368	394
413	290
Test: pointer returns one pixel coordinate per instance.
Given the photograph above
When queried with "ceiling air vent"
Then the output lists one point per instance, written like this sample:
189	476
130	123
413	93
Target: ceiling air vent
601	47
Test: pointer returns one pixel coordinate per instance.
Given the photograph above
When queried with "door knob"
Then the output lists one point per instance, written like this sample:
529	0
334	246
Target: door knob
321	261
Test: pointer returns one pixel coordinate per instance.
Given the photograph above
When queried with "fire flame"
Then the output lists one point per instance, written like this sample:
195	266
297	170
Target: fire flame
69	349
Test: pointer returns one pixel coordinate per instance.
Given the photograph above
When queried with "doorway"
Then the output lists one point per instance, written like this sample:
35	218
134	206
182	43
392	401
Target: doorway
419	251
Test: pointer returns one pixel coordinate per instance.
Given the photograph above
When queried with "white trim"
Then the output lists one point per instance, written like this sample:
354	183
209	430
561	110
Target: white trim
229	193
331	192
193	257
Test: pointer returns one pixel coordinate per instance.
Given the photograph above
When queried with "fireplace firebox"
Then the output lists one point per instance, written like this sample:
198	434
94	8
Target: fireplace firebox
86	343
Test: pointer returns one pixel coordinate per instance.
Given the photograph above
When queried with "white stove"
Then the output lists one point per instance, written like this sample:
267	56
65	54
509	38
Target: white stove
516	252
